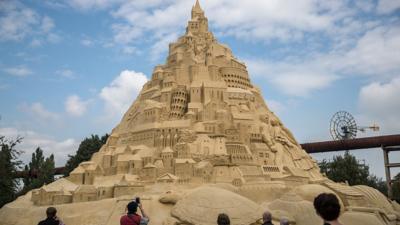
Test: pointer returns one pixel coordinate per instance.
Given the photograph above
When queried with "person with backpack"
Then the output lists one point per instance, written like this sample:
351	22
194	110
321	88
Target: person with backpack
132	218
52	218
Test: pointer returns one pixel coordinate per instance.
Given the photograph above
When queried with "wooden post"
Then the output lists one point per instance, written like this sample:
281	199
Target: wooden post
387	172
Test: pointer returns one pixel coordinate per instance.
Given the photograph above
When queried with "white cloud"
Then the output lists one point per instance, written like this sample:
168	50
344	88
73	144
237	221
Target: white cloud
376	53
47	24
292	78
366	5
75	106
130	50
35	43
388	6
379	102
155	21
66	73
280	20
91	4
125	34
253	19
31	140
299	83
121	92
19	71
38	111
53	38
55	4
87	42
18	22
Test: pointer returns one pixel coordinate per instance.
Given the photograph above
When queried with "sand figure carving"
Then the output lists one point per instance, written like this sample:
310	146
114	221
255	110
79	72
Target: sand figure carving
199	140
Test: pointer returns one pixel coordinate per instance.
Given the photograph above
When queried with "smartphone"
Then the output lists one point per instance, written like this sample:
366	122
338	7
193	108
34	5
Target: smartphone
137	200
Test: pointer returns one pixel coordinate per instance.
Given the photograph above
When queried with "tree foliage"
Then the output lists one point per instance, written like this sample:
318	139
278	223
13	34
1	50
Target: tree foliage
85	151
348	169
9	165
42	168
396	187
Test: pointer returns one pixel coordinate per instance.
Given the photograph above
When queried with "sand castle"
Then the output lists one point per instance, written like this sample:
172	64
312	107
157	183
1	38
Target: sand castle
199	140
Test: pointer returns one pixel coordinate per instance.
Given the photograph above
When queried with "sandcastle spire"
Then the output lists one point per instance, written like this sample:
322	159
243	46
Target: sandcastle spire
197	7
197	11
199	22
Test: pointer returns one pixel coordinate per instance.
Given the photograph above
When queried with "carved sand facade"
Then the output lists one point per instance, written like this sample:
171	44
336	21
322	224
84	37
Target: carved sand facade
199	135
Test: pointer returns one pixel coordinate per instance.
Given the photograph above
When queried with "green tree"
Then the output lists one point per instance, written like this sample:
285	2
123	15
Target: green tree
85	151
396	187
9	165
348	169
42	168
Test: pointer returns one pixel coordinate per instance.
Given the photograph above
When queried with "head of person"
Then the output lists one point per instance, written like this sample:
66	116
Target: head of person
223	219
132	207
267	216
51	212
327	206
284	221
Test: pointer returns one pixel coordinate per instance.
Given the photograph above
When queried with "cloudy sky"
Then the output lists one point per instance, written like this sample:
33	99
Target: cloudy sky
71	68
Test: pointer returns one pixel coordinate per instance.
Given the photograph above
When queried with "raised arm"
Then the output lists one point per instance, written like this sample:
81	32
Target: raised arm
142	211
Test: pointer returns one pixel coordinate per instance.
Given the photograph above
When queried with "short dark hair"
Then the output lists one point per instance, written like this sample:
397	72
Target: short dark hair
223	219
327	206
51	212
132	207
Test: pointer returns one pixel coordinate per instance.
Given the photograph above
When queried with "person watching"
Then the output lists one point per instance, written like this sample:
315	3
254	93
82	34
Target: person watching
223	219
52	218
284	221
267	218
132	218
328	208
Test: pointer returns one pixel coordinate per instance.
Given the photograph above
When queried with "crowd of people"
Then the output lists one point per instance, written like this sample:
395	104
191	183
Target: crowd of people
326	206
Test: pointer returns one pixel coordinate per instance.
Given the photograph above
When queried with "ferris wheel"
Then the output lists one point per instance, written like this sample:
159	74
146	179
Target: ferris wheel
343	126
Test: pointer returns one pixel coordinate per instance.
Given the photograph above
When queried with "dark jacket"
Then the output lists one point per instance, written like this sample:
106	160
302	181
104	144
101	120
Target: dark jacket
49	221
268	223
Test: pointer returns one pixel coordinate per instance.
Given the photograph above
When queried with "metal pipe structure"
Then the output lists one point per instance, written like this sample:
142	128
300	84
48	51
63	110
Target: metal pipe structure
387	143
352	144
387	173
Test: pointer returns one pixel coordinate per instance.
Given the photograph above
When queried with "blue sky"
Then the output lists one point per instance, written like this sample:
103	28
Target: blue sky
71	68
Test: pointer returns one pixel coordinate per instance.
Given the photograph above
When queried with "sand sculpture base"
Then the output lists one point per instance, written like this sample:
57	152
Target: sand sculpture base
170	204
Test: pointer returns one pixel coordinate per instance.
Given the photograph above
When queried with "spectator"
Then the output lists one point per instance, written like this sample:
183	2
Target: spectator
267	218
284	221
328	208
132	218
223	219
52	218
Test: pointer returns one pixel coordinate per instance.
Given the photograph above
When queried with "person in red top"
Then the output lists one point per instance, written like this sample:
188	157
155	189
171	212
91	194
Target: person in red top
132	218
